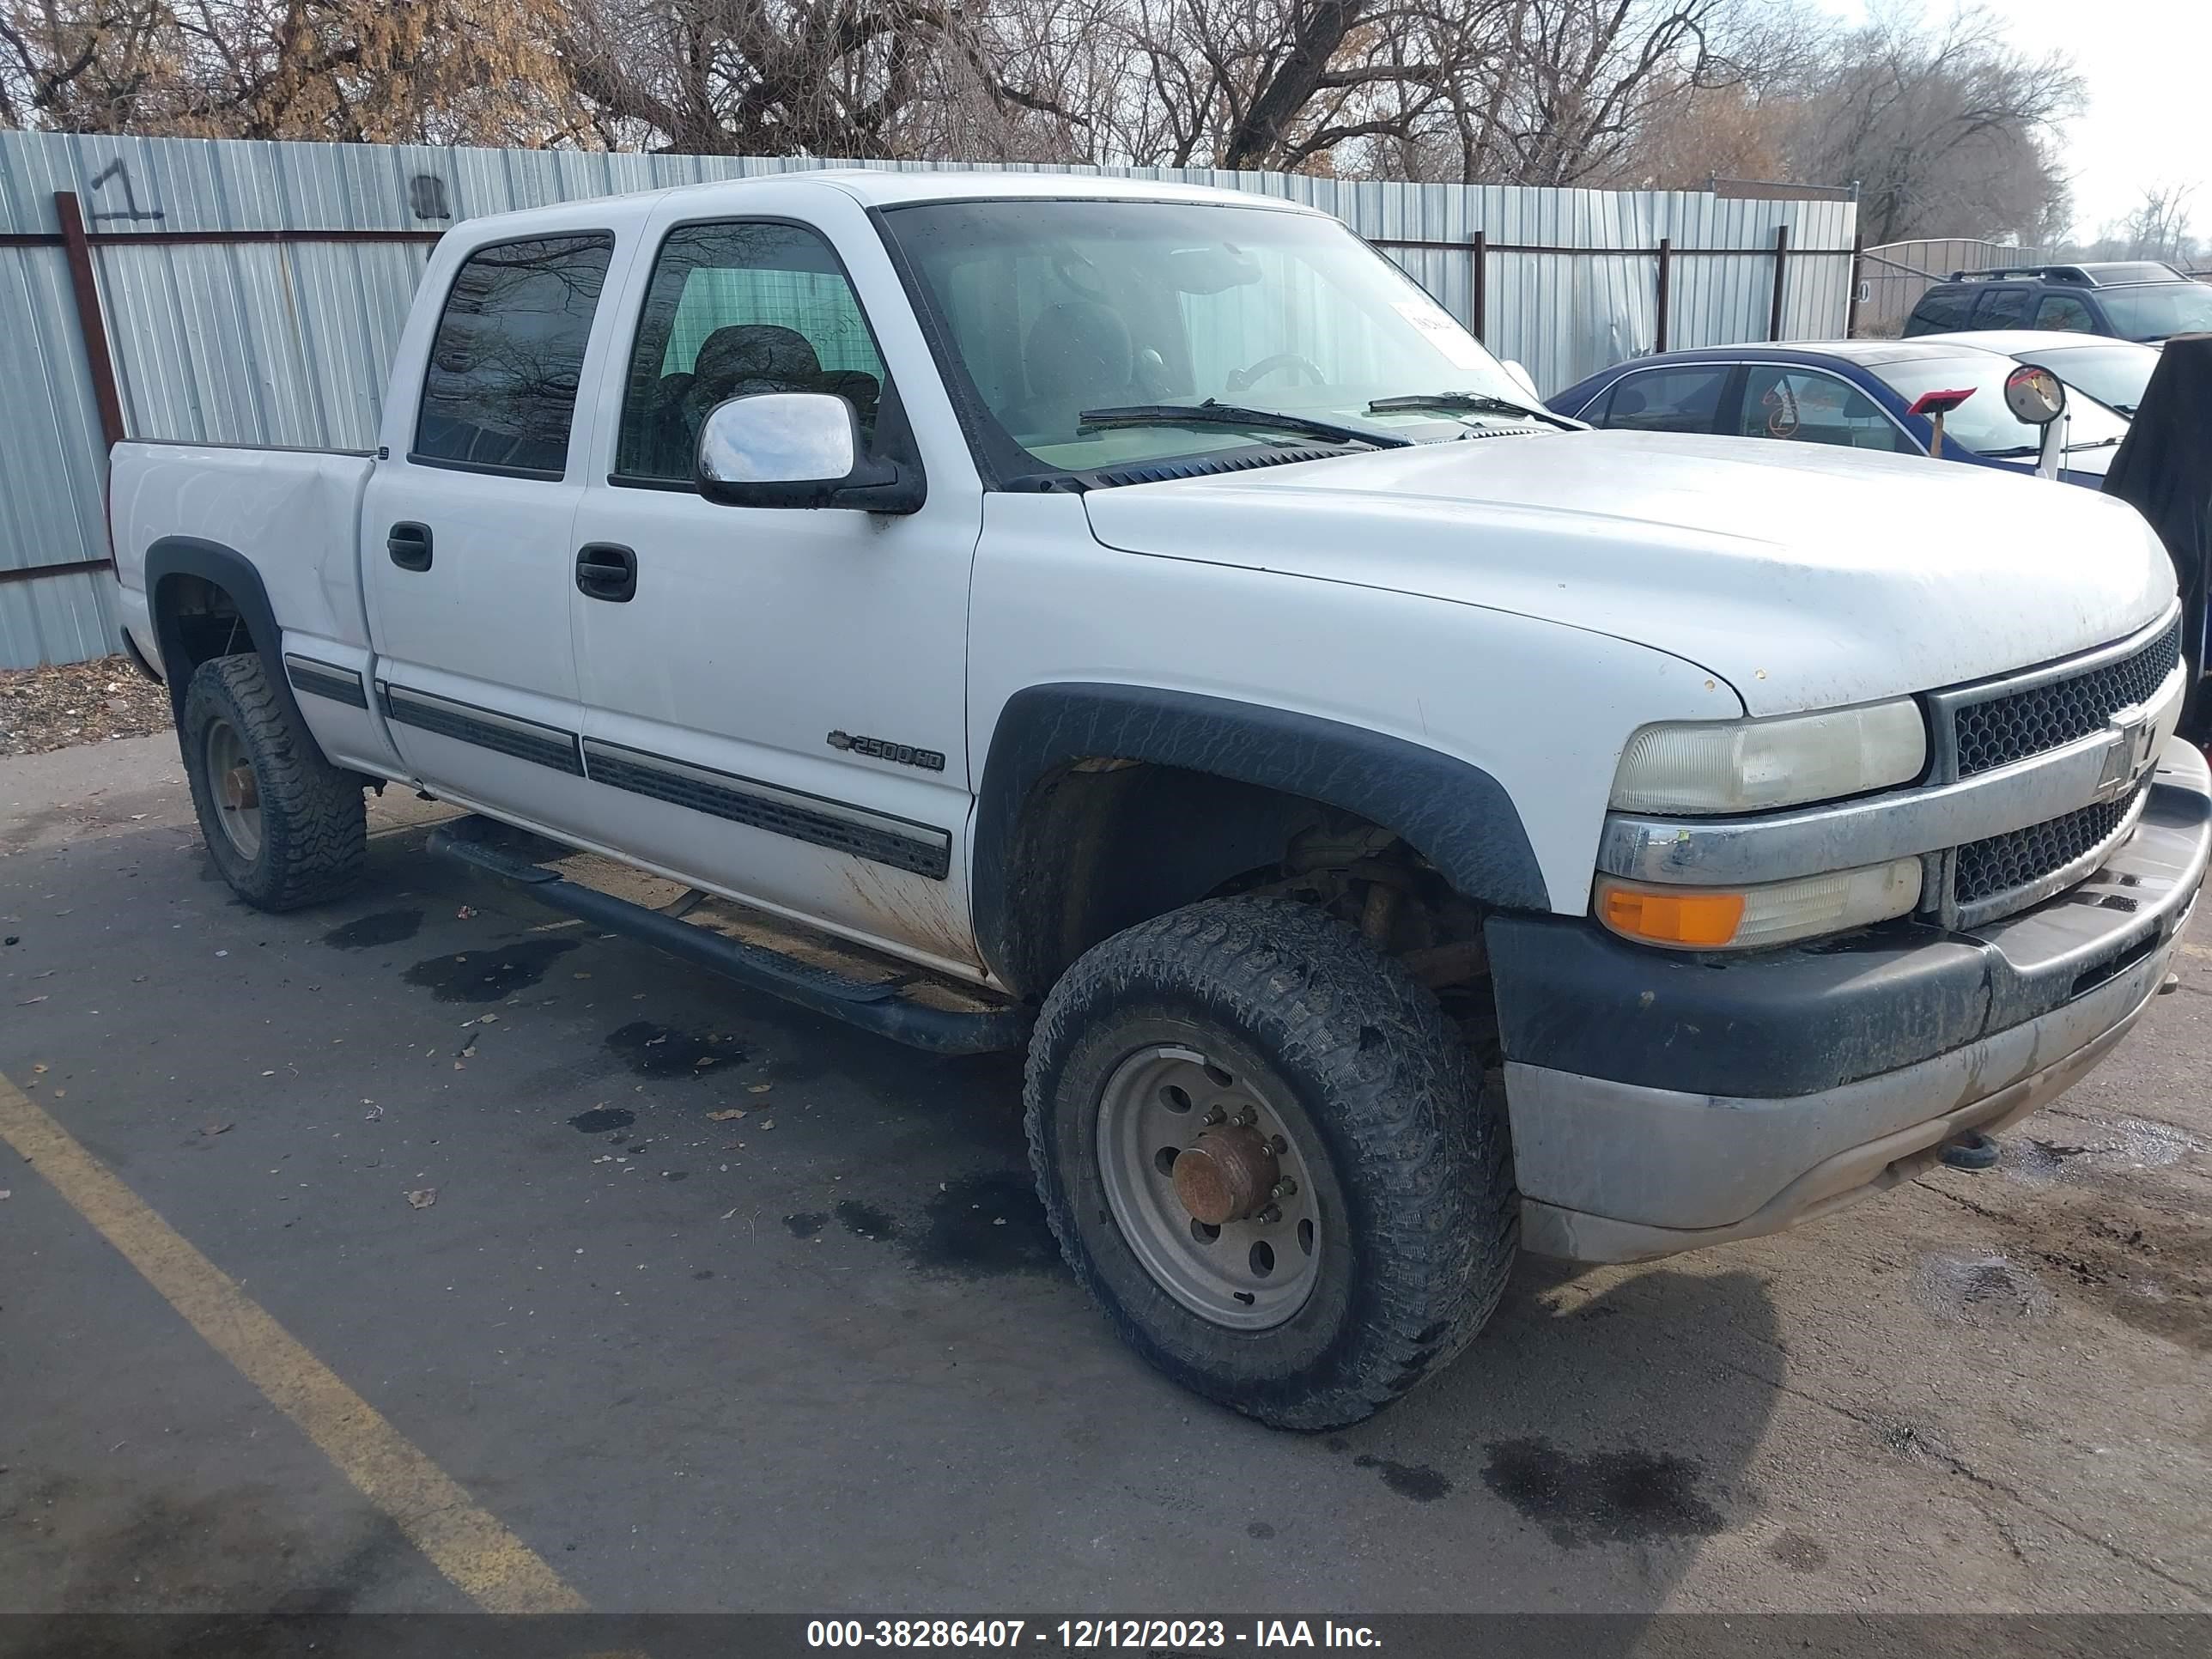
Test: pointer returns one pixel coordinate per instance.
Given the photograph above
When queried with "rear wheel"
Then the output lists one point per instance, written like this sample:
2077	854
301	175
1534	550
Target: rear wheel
1268	1155
284	826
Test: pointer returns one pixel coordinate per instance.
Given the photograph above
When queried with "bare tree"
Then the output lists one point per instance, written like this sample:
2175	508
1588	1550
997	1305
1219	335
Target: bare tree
2158	228
1947	129
358	70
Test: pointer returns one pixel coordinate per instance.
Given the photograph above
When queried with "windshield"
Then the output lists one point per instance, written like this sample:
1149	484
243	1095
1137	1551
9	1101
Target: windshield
2114	374
2162	309
1983	424
1052	309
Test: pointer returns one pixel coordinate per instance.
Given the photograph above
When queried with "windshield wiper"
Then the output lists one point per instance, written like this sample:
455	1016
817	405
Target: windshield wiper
1468	403
2028	452
1213	412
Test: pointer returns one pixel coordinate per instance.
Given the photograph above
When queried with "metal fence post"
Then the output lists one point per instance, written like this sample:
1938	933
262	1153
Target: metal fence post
1478	295
1781	272
92	322
1852	302
1666	276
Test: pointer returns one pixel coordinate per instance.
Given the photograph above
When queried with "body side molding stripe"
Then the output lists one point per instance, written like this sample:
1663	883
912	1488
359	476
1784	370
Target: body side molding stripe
881	838
325	679
545	745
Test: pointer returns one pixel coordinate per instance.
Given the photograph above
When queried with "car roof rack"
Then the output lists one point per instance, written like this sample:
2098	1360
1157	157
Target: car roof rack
2049	273
2081	276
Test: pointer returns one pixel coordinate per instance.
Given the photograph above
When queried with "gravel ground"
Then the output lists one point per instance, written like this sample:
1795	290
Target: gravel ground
42	709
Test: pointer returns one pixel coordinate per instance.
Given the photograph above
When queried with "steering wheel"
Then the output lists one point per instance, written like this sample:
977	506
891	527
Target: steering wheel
1241	380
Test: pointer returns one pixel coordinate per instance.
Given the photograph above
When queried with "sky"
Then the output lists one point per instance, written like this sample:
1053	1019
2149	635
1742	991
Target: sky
2148	120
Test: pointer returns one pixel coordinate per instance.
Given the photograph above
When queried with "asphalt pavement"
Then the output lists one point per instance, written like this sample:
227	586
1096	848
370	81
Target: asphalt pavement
707	1304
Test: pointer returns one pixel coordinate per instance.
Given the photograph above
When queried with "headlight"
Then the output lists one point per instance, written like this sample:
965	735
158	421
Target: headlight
1773	912
1749	766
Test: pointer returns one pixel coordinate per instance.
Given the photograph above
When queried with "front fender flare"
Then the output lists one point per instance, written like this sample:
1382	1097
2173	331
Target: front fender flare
1454	814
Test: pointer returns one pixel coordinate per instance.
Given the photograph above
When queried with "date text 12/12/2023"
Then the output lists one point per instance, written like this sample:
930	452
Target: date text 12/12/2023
1152	1635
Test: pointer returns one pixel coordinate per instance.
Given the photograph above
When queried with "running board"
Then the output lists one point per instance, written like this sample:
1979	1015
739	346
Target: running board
847	981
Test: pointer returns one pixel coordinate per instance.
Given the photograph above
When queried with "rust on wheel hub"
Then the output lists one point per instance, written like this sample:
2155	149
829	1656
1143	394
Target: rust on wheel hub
239	794
1226	1175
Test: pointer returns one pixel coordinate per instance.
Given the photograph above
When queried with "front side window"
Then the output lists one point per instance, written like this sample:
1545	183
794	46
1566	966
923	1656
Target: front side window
1684	399
500	389
1808	407
733	309
2064	312
1048	310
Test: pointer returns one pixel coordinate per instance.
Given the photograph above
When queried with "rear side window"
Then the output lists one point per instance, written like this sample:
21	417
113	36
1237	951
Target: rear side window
1939	310
2003	307
2063	311
499	391
1683	399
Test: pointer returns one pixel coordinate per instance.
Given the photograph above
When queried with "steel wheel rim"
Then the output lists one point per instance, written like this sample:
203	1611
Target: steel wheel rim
1253	1272
235	790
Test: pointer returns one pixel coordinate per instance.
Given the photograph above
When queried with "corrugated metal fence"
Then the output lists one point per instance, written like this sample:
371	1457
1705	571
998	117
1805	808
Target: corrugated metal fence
252	293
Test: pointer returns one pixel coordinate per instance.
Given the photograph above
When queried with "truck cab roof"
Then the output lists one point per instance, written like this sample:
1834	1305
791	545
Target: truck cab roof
872	187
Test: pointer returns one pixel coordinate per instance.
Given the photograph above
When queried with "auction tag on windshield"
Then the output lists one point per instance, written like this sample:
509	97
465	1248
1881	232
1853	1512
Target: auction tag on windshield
1443	332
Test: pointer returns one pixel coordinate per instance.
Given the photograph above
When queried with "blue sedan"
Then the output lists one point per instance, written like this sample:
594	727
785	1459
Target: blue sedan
1857	394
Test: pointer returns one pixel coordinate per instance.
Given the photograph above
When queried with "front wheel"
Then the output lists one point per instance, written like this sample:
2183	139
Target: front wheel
1269	1156
284	826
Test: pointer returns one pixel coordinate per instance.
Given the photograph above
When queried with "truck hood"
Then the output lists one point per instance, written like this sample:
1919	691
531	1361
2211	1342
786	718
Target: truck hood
1805	577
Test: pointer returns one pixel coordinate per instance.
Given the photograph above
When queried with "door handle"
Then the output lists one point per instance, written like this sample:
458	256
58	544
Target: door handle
410	546
606	570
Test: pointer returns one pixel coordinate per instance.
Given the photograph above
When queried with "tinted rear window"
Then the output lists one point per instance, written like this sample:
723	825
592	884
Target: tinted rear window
501	387
1940	310
2003	307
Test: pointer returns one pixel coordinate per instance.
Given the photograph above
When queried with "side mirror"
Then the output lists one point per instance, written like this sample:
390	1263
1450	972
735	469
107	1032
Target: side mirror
2035	395
1521	377
795	449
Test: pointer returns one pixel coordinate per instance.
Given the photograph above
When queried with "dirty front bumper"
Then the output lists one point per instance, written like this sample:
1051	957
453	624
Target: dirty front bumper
1661	1103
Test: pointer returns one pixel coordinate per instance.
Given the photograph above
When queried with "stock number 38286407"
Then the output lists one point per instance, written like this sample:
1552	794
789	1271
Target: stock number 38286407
1071	1634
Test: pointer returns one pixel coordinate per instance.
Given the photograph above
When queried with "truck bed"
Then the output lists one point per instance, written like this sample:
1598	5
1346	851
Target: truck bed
296	513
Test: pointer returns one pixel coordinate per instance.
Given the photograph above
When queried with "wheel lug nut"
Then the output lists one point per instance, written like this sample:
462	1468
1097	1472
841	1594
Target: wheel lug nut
1249	1116
1284	1188
1213	1116
1281	1146
1269	1216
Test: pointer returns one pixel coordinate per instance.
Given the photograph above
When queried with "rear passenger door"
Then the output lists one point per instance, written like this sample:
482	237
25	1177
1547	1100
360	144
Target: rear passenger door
2004	307
466	528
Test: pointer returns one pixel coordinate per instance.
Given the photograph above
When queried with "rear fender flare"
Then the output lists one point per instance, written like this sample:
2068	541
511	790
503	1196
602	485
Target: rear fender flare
233	572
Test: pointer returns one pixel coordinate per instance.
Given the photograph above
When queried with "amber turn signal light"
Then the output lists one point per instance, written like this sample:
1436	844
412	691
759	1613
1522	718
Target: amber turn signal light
1687	918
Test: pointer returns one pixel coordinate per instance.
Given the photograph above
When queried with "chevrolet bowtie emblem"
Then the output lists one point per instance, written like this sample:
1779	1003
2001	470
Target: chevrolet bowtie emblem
2128	755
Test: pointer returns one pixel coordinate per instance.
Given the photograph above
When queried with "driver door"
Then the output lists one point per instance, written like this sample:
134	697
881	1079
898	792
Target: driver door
774	700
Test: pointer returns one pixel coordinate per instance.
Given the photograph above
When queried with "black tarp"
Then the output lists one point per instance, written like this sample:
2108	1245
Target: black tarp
2164	468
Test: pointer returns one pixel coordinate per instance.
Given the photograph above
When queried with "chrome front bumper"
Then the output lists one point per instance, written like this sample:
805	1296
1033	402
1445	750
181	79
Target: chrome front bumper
1618	1168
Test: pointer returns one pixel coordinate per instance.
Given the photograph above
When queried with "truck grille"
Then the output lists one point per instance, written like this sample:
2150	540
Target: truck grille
2012	727
1989	875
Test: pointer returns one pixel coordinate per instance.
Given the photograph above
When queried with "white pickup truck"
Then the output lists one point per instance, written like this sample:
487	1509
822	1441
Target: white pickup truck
1136	622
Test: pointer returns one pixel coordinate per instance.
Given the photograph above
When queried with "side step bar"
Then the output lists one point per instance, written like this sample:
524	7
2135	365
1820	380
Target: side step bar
989	1024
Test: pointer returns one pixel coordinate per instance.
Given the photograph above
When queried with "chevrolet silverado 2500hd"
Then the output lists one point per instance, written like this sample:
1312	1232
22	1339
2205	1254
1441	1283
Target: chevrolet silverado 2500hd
1137	622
